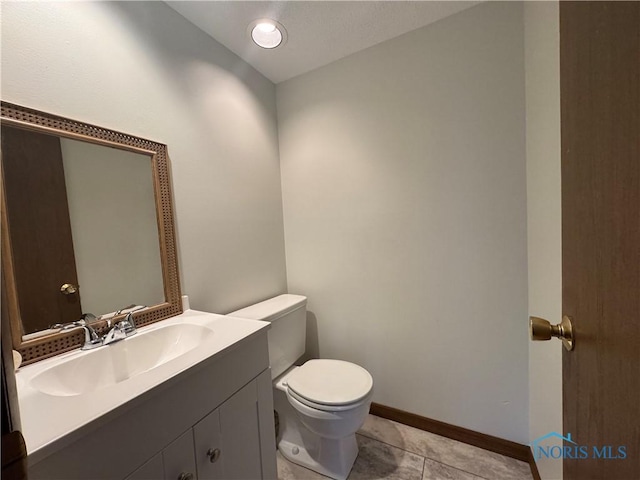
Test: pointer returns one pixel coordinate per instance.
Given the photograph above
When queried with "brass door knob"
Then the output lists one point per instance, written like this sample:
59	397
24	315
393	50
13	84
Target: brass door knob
68	289
541	329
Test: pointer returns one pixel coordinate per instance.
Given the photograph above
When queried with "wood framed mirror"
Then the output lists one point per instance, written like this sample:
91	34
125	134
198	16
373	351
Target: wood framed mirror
87	228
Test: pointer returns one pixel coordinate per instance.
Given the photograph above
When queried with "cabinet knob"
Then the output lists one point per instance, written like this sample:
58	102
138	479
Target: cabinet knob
213	454
186	476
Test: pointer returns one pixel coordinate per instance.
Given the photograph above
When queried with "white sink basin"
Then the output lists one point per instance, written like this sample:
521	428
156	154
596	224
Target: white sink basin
60	396
105	366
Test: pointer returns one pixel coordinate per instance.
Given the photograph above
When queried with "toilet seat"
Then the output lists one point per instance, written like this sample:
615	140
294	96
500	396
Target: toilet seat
330	385
296	399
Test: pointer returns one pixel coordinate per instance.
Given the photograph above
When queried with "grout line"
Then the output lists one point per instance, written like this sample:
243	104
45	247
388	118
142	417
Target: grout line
391	445
456	468
398	448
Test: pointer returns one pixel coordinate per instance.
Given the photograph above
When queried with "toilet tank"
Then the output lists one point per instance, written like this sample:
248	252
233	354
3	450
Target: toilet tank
287	335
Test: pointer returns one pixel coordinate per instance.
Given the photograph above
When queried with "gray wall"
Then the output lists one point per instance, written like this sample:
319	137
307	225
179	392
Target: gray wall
403	173
542	59
143	69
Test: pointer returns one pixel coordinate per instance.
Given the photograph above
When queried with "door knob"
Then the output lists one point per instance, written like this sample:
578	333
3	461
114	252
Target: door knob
68	289
541	329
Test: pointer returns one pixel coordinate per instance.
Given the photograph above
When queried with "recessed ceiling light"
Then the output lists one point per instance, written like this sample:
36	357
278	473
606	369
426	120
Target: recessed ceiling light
267	33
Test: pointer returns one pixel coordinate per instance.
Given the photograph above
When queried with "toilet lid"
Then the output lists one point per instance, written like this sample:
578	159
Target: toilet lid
331	382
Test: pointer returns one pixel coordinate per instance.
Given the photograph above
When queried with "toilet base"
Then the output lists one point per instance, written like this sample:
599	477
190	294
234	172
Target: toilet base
332	458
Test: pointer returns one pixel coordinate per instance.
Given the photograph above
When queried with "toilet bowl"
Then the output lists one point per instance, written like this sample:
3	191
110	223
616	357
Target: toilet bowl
320	418
320	405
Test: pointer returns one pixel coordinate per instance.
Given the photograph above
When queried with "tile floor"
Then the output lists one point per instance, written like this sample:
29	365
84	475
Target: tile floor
390	450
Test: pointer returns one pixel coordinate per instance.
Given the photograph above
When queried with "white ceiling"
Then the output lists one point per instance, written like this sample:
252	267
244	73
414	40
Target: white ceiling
319	32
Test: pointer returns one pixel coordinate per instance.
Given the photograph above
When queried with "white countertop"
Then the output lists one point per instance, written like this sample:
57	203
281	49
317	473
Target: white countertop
50	422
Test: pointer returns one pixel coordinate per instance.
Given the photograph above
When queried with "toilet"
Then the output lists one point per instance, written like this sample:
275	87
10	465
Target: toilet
319	405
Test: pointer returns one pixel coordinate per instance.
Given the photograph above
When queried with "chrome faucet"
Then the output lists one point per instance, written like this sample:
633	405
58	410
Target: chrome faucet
123	329
114	334
91	337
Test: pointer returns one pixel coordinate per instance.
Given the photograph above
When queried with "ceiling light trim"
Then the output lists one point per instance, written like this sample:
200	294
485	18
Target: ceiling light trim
264	39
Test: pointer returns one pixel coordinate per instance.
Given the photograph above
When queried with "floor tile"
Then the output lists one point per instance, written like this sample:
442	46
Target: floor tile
377	460
290	471
464	457
438	471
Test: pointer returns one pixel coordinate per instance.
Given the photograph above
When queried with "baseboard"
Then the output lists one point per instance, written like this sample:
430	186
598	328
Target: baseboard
464	435
534	468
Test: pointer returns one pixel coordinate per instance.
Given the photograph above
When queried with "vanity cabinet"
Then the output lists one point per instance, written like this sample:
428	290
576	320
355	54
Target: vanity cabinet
214	421
224	445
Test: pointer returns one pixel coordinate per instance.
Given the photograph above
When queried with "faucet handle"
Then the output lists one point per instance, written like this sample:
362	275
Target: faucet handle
128	325
91	337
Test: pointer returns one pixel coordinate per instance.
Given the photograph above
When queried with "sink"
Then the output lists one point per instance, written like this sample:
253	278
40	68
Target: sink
106	366
62	398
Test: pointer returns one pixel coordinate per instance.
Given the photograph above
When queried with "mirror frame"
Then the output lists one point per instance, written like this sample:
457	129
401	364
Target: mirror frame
54	344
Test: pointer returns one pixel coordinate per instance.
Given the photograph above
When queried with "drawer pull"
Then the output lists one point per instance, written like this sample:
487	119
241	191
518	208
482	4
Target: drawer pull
186	476
213	454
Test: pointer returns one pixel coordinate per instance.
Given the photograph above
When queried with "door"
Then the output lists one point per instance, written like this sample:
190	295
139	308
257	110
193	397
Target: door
600	122
36	195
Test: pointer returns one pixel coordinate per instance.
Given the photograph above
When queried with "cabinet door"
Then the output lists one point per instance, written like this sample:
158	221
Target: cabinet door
152	470
208	447
227	441
179	462
239	426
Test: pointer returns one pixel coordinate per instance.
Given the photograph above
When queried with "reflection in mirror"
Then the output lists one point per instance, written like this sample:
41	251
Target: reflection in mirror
111	233
113	226
87	228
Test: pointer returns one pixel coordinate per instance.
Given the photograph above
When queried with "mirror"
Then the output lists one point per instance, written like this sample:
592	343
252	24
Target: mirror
87	226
